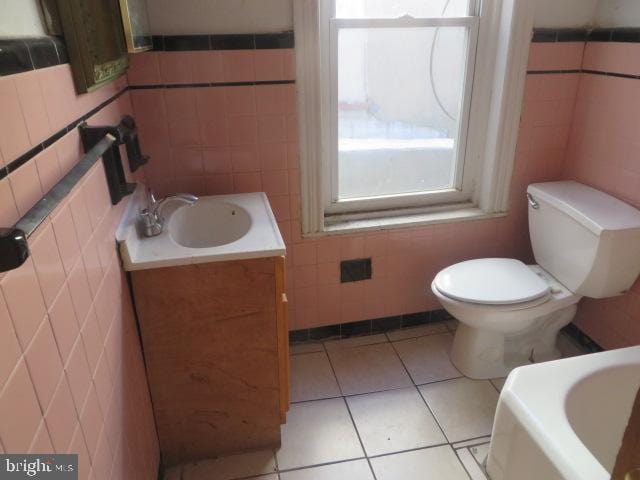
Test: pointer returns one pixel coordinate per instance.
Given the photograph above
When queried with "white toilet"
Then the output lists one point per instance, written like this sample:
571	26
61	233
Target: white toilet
586	243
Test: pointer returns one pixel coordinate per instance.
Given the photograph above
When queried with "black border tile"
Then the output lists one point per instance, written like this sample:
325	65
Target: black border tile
368	327
600	35
321	333
24	158
158	42
274	40
440	315
186	43
28	155
240	41
582	338
381	325
355	329
298	336
233	42
551	35
545	35
42	52
14	56
416	319
214	84
61	49
630	35
572	35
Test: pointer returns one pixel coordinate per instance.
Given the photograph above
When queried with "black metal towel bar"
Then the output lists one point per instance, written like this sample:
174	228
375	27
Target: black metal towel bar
99	142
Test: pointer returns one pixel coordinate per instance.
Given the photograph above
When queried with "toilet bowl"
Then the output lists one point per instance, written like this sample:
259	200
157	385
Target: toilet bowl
586	244
502	326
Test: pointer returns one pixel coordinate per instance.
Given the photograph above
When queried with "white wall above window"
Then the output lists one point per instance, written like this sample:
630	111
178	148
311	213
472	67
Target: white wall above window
20	18
564	13
190	17
617	13
482	135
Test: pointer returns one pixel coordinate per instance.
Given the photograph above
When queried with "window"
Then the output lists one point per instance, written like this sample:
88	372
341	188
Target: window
396	106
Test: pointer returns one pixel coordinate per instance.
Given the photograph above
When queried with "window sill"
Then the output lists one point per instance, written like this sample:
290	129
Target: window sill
340	227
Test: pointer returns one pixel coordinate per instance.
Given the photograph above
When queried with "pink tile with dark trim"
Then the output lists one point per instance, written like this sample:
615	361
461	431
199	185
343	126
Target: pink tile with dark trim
14	137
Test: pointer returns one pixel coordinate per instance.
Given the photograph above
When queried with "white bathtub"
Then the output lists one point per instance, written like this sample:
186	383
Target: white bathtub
564	420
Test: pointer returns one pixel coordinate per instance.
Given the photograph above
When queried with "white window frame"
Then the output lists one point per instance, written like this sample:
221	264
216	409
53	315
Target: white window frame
503	35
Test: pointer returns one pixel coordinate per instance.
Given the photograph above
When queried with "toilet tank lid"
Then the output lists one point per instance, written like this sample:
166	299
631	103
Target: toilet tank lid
594	209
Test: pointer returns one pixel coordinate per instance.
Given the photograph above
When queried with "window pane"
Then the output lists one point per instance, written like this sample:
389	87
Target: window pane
398	8
398	112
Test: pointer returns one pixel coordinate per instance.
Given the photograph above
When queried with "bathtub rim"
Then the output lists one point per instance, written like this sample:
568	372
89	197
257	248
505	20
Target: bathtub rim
536	408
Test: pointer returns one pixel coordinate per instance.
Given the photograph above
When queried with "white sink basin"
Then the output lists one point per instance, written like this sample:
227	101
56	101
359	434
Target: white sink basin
209	223
214	229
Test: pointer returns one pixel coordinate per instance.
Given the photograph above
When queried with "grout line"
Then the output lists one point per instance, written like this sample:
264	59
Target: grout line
464	467
254	83
496	387
482	466
409	450
275	458
316	465
420	393
353	422
440	381
469	442
355	426
333	370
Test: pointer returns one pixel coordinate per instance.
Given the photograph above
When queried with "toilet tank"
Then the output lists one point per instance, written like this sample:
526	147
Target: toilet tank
588	240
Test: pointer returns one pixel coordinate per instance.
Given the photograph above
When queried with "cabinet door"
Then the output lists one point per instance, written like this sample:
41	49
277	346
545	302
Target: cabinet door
283	338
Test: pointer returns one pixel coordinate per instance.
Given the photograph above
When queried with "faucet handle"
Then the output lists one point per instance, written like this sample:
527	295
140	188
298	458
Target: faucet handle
151	199
150	223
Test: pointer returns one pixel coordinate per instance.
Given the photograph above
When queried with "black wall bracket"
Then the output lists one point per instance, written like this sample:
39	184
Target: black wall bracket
126	134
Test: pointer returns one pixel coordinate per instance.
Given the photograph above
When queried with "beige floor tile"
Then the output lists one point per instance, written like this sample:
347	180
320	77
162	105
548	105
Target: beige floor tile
422	330
316	433
355	342
464	408
438	463
471	466
312	377
480	452
394	421
367	369
298	348
427	358
356	470
231	467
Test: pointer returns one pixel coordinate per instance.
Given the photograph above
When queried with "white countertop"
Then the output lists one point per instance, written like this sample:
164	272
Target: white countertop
141	253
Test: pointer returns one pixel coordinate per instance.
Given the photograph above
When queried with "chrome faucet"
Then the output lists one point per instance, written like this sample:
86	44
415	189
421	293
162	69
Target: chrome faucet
152	219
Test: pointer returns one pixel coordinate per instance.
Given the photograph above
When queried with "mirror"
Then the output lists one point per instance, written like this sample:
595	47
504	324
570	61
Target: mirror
94	35
137	32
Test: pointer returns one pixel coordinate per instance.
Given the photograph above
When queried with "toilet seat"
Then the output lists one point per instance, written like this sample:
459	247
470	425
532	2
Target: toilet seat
492	282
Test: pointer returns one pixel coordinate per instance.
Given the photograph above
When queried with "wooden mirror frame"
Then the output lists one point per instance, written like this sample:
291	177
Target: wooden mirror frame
137	32
94	35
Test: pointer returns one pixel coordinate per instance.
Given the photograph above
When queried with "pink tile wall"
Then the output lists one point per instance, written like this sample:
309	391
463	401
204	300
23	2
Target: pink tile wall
237	139
604	151
72	377
556	56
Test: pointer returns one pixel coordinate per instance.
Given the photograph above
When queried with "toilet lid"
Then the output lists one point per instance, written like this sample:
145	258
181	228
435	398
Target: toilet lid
491	281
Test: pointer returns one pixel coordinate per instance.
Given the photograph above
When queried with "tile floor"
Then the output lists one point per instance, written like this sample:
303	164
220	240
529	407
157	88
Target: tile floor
379	407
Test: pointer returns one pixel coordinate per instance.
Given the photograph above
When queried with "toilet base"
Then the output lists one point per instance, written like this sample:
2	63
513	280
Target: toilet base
484	354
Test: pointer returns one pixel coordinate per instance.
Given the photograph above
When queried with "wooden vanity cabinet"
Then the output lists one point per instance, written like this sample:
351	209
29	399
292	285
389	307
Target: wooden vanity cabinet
215	342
